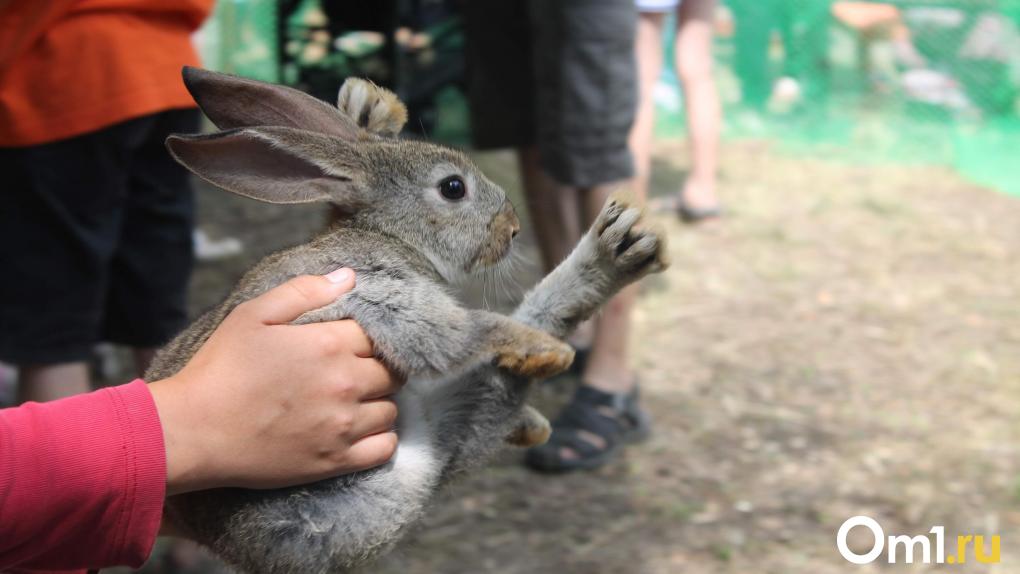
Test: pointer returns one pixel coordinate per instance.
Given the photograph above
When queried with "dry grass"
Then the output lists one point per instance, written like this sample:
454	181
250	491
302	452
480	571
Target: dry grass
846	341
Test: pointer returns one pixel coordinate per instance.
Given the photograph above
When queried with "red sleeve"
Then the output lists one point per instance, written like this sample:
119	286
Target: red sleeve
82	481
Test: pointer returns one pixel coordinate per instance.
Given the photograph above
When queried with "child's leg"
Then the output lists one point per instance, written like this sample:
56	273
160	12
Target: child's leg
41	383
648	48
701	101
64	206
146	298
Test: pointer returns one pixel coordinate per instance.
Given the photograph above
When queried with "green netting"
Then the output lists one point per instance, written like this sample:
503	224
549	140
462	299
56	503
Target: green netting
241	38
929	81
937	82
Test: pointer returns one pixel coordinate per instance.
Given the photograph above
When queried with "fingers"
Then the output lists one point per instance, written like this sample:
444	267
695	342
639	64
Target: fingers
374	417
345	334
371	451
301	294
376	381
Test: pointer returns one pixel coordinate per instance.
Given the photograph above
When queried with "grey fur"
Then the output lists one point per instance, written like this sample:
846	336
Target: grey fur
468	370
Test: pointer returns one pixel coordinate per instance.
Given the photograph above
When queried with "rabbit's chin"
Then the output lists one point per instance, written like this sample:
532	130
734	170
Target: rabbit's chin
491	256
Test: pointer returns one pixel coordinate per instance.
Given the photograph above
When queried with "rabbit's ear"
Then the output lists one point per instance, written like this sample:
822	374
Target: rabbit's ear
374	109
275	165
233	102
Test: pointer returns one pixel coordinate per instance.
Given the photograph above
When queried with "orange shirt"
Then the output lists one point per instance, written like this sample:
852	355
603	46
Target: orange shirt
73	66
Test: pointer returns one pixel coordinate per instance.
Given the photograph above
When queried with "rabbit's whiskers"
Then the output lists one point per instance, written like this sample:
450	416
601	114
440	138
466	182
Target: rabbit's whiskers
507	279
485	288
499	281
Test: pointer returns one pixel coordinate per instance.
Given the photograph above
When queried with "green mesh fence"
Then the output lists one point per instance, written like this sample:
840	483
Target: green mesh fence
918	81
240	38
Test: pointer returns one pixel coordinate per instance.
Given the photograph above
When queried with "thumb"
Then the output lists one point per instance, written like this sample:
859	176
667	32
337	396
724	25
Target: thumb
301	294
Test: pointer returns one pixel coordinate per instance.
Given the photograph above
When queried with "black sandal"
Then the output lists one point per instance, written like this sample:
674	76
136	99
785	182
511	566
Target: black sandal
616	419
581	355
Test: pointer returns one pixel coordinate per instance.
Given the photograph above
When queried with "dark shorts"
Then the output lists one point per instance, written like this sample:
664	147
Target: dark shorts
95	241
559	74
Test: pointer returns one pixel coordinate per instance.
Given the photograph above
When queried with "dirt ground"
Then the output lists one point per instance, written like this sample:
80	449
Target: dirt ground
846	341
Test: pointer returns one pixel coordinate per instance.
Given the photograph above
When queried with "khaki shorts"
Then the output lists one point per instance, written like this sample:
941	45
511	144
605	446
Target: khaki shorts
557	74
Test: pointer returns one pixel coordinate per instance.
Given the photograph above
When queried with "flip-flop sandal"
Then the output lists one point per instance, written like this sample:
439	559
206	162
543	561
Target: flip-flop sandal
616	419
693	215
685	212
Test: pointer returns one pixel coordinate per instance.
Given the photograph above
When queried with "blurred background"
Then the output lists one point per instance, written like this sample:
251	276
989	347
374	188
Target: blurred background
845	340
932	82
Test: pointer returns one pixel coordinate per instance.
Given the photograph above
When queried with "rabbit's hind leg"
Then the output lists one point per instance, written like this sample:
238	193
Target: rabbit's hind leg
533	429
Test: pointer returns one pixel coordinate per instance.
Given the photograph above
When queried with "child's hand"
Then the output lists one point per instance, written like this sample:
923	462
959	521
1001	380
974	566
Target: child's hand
266	404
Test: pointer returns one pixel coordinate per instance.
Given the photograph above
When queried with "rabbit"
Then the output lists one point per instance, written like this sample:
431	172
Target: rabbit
416	217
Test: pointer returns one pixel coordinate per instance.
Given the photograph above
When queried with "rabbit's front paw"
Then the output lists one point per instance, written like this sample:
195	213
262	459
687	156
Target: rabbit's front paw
631	248
538	358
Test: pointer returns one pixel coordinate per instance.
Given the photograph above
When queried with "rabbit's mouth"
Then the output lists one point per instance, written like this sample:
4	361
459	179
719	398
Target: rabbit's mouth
502	230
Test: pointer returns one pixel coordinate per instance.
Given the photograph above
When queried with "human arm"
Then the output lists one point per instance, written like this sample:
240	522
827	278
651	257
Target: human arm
82	480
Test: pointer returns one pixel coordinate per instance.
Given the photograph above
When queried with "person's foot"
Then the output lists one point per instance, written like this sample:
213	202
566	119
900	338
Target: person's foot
590	431
699	195
696	203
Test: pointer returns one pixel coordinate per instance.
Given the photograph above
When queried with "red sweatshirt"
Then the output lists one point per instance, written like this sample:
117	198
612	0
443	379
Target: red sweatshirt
82	481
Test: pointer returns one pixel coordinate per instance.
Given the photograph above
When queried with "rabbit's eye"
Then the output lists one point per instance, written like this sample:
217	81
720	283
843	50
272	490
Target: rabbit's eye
453	188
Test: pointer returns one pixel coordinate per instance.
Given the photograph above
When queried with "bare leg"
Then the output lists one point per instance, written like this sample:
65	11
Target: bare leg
553	208
608	369
649	57
43	383
694	67
556	216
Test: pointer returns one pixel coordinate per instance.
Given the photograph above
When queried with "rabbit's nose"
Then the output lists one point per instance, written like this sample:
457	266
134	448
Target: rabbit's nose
510	217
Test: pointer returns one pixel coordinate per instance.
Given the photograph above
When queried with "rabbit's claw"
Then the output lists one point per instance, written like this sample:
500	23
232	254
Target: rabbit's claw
631	247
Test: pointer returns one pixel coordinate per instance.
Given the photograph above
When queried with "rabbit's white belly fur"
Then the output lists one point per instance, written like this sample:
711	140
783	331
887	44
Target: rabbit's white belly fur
415	463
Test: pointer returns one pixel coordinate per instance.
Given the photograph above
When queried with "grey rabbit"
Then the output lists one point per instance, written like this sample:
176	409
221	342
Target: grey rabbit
416	217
